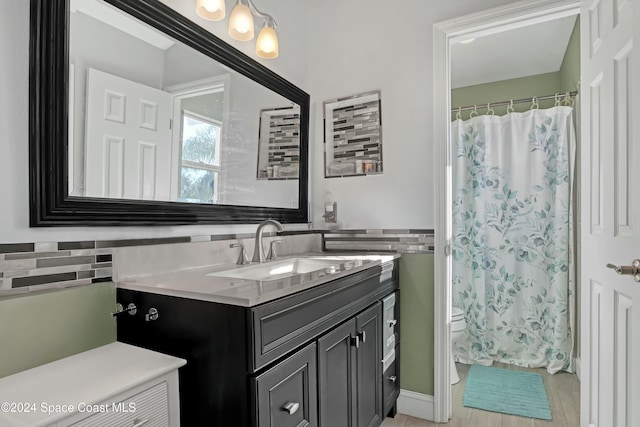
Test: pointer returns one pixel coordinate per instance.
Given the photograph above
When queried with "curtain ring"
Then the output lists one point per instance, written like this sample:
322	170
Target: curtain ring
490	110
558	99
568	101
459	114
510	107
534	103
474	112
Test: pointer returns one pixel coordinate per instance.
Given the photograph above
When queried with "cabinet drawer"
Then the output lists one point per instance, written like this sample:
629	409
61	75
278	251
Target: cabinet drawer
286	395
281	326
390	385
151	405
389	320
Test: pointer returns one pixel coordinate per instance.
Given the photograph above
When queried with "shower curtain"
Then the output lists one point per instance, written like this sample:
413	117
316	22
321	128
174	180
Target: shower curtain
513	238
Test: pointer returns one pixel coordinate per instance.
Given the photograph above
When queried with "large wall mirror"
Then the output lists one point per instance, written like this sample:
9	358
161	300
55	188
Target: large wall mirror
140	116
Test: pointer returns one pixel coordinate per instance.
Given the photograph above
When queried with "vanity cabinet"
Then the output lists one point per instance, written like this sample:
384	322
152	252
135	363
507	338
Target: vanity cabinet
349	372
312	358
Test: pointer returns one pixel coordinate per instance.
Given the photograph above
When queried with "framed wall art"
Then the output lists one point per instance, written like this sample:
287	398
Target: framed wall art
353	135
279	143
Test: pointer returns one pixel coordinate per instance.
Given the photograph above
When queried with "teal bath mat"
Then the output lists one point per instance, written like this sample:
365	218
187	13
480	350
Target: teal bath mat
509	392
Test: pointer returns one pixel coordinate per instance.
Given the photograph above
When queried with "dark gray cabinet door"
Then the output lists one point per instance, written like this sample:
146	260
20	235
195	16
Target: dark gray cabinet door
286	394
369	367
337	376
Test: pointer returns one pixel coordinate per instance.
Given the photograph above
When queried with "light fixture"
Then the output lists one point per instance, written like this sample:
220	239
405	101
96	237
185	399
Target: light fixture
267	43
212	10
241	26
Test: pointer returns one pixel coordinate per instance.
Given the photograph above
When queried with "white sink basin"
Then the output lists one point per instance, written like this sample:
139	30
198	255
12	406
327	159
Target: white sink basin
275	270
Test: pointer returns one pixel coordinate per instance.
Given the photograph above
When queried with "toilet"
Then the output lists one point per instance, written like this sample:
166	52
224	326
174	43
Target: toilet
458	325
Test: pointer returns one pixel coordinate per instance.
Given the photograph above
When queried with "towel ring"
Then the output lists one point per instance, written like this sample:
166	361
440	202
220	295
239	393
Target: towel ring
490	110
510	107
474	112
459	114
534	103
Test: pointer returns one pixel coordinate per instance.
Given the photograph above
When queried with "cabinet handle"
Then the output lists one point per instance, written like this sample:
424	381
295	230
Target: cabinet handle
363	336
393	378
138	422
355	341
291	407
392	323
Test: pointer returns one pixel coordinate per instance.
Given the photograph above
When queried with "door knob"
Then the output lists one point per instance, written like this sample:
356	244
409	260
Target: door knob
631	270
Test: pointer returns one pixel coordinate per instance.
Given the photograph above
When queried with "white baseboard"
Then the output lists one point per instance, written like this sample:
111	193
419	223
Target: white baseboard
417	405
576	363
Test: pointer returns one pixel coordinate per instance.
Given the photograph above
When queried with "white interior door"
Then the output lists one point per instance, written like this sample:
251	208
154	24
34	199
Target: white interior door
610	302
128	139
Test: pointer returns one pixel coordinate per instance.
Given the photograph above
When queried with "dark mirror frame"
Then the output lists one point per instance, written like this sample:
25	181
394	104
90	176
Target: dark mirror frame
50	204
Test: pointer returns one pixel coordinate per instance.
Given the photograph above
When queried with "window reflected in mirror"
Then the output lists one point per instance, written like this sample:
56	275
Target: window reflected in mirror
199	159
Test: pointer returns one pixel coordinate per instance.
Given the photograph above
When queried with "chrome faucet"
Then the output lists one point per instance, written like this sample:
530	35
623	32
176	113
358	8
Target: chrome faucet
258	251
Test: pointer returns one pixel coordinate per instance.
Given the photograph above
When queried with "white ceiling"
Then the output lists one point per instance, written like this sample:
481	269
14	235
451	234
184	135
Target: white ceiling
116	18
527	51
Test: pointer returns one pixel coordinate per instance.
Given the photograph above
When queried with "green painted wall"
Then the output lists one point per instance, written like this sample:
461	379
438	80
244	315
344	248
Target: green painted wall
564	80
416	323
524	87
47	326
570	70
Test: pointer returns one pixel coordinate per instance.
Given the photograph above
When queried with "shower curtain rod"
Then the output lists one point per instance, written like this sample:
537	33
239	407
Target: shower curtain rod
515	101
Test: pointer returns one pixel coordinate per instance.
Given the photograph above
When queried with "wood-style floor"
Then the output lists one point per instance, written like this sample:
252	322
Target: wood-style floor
562	388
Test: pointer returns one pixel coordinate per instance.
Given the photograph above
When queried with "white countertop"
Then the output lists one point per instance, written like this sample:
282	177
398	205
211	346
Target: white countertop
199	284
86	378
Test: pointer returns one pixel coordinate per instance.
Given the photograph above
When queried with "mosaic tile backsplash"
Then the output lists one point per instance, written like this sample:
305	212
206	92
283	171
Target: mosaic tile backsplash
25	267
386	240
28	267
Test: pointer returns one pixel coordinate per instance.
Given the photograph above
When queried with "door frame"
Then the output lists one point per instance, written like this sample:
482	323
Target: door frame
445	33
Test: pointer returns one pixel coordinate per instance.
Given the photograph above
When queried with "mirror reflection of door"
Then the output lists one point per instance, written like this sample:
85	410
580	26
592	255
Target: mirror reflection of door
128	140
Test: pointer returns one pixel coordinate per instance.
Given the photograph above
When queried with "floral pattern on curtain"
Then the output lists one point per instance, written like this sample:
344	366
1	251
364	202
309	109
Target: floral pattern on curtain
513	238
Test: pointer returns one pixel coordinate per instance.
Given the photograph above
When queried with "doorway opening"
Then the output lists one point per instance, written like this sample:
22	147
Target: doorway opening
446	35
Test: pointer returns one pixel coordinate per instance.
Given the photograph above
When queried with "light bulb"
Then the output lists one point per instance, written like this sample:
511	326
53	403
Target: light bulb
241	23
212	10
267	43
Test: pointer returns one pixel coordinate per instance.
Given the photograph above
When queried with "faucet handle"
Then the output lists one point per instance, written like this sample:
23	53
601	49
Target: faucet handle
242	256
272	255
